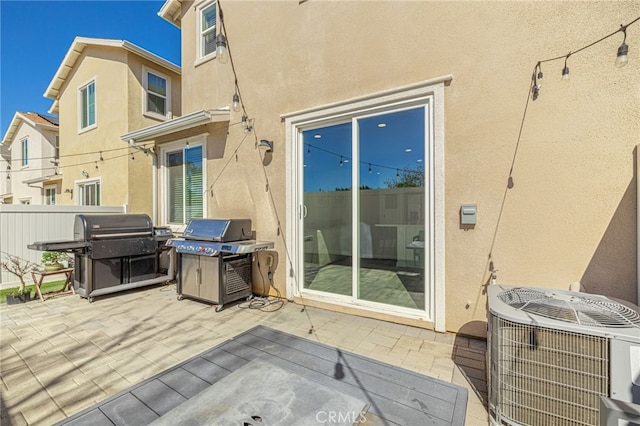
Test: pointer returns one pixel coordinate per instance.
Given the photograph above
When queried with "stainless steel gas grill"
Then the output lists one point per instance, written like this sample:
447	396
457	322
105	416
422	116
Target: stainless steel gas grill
214	260
115	253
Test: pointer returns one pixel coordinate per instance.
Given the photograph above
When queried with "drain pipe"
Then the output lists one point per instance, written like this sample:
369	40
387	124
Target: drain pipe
638	223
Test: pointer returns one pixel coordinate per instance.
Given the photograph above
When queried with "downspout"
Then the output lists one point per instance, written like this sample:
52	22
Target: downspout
637	223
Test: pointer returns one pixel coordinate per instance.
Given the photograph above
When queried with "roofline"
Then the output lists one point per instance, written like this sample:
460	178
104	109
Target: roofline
15	123
165	12
43	179
185	122
77	47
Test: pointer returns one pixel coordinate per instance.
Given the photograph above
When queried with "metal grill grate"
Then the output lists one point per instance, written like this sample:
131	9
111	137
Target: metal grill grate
238	275
543	376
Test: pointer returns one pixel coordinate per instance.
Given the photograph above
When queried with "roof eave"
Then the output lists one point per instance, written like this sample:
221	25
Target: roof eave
170	12
185	122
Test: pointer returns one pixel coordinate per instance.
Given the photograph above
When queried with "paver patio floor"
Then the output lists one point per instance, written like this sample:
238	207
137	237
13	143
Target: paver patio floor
63	355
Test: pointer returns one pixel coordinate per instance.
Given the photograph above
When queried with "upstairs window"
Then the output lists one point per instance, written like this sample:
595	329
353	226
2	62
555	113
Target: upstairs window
157	92
87	116
25	152
57	149
207	29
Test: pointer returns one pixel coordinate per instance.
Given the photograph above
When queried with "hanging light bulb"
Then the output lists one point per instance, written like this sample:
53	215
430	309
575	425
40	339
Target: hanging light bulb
623	50
101	159
397	173
539	72
341	162
96	165
236	102
565	70
370	171
308	149
221	49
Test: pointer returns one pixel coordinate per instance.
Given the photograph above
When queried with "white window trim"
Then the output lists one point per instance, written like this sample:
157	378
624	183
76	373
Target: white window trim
200	58
429	93
45	197
24	162
81	129
145	98
197	140
78	183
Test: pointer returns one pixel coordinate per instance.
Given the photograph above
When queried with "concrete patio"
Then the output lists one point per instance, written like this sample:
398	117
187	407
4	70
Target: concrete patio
65	354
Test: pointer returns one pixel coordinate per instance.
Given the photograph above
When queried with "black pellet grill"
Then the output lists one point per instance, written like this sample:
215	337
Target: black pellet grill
214	260
115	252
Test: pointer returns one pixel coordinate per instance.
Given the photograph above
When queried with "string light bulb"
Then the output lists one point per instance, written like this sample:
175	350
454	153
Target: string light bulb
341	162
565	70
221	49
236	102
370	171
622	59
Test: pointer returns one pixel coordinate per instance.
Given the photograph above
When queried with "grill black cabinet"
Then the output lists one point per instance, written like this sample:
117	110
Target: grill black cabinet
115	253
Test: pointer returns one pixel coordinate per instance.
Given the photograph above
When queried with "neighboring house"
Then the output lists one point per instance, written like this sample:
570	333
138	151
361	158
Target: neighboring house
102	89
30	154
6	197
386	119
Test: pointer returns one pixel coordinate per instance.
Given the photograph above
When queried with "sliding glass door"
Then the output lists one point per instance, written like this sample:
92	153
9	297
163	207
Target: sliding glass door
364	209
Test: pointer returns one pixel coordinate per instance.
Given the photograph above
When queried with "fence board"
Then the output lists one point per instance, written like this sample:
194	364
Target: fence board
21	225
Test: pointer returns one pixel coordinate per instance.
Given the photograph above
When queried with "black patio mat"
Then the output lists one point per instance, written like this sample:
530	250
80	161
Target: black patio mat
395	395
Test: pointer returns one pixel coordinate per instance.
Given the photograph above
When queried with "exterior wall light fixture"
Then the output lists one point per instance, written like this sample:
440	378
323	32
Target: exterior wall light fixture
265	145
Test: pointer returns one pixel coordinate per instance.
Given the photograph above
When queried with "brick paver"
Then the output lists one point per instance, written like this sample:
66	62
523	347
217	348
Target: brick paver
60	356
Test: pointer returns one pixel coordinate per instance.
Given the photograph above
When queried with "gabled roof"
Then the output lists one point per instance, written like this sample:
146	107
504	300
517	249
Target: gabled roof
170	12
32	118
75	52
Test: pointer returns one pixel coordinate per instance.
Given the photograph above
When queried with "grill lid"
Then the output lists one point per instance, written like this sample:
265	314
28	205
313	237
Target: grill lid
220	230
95	226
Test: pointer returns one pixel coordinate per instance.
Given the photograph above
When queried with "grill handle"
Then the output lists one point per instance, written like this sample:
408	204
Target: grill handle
119	235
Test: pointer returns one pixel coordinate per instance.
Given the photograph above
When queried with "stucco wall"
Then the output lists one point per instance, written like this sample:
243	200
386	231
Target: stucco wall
569	213
125	179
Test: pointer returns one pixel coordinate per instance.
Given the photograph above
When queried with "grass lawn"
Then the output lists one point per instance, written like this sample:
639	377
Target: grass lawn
45	288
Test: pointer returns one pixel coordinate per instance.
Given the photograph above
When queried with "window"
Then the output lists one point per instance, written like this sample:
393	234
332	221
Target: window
50	195
207	30
157	93
57	148
25	152
183	184
87	115
88	193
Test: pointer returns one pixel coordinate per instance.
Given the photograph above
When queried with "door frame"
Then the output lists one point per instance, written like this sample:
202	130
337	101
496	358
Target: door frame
429	93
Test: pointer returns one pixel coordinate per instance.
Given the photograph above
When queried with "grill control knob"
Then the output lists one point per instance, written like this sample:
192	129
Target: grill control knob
209	250
202	249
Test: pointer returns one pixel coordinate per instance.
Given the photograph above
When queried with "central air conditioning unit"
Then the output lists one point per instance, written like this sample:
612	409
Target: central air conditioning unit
553	353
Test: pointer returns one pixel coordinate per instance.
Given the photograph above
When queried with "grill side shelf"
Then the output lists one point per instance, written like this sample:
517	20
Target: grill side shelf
64	246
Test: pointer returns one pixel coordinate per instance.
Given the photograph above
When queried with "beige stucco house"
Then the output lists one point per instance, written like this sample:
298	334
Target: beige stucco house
30	155
410	164
102	89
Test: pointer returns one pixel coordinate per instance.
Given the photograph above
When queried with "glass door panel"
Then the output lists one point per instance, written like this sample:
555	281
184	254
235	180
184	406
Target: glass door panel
391	202
327	209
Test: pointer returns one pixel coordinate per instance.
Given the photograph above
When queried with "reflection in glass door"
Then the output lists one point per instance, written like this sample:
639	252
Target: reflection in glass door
391	206
382	220
327	230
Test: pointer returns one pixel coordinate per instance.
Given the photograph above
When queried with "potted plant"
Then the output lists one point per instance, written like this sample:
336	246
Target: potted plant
18	267
52	260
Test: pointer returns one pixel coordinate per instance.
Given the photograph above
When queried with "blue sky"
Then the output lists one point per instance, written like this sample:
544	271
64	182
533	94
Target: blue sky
35	36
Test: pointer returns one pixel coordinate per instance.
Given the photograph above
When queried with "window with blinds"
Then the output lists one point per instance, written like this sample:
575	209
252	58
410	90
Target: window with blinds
88	105
185	198
207	27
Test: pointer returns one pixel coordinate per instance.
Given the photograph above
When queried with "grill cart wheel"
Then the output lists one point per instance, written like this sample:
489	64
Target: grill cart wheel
180	297
218	308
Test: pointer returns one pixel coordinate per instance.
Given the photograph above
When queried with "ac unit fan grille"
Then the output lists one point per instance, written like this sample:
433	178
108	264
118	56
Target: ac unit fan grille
543	376
583	309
